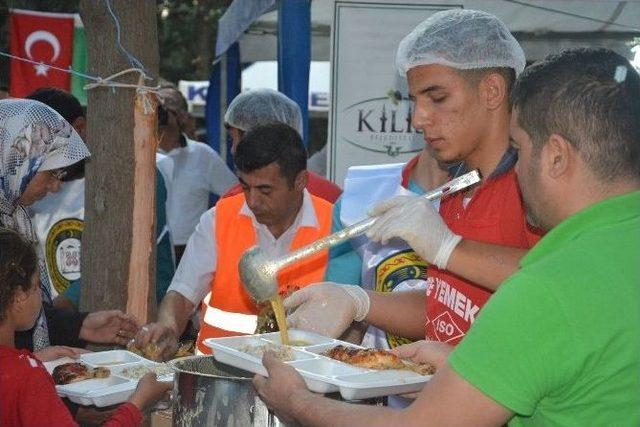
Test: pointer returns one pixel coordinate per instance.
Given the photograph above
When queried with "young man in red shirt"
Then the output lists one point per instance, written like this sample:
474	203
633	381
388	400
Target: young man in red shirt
462	107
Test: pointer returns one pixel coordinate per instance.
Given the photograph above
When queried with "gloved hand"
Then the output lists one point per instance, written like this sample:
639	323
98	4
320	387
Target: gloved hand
414	220
327	308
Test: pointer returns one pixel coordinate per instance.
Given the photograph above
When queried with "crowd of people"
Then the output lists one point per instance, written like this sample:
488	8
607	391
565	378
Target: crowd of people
523	291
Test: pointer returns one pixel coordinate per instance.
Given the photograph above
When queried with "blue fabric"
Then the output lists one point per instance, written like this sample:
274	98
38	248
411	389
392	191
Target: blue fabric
73	293
165	267
345	264
212	109
294	55
234	79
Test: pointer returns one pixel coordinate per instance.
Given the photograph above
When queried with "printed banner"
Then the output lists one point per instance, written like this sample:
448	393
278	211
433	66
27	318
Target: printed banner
370	115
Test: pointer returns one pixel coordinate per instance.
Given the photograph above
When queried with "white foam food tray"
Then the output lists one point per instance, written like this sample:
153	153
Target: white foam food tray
125	367
321	374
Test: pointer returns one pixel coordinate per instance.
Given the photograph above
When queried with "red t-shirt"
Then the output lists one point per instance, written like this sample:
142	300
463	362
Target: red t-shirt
495	214
28	395
317	185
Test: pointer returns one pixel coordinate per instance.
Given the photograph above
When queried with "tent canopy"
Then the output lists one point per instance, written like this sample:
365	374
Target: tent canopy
541	26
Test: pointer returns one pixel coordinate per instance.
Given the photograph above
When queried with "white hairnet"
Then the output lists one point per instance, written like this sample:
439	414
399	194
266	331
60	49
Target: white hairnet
462	39
260	107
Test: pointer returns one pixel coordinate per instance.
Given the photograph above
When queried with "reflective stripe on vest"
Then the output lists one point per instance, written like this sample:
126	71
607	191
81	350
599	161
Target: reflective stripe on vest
233	322
229	309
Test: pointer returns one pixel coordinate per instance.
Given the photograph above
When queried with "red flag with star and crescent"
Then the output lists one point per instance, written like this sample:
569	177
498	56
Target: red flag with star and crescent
46	38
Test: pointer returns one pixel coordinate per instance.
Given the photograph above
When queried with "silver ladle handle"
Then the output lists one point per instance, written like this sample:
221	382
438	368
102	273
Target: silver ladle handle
360	227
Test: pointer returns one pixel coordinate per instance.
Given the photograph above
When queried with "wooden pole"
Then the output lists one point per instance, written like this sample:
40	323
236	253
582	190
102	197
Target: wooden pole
140	288
117	252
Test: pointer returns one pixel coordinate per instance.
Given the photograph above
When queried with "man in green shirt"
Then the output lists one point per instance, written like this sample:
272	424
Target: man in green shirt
559	343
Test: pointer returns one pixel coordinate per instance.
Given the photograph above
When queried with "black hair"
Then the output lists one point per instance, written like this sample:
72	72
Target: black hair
266	144
60	100
18	264
175	100
591	97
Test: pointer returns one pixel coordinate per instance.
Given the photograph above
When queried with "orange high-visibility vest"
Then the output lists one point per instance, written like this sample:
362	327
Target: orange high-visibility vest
229	310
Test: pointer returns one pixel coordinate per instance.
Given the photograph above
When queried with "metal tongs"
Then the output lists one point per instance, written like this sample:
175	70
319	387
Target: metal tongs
258	273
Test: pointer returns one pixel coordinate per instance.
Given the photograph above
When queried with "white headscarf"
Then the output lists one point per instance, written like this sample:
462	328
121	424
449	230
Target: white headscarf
33	138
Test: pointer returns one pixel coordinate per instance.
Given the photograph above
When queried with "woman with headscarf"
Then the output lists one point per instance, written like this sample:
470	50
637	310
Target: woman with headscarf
36	145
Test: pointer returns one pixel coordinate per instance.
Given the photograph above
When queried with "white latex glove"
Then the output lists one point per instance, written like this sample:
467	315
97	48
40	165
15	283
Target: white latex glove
414	220
327	308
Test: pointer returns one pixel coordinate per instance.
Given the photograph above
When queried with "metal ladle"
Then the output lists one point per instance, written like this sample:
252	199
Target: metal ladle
258	273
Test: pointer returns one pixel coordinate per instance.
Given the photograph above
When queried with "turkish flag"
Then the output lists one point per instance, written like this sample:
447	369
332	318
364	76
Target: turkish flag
41	37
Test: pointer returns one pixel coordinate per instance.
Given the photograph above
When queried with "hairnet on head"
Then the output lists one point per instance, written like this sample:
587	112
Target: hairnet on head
260	107
462	39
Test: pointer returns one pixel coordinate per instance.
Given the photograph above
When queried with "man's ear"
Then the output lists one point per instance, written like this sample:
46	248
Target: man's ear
493	88
558	155
301	180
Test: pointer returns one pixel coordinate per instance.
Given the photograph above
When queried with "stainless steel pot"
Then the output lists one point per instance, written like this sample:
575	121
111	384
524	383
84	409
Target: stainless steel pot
209	393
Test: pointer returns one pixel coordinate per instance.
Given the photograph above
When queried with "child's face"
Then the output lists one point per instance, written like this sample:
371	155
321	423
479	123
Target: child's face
28	305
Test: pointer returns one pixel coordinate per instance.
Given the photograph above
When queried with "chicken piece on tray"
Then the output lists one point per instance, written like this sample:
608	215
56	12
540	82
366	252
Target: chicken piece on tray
72	372
373	358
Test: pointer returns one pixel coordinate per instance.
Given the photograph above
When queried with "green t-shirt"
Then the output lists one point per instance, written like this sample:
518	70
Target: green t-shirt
559	343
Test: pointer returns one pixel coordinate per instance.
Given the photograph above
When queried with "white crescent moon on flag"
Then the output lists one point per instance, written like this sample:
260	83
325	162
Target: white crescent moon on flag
44	36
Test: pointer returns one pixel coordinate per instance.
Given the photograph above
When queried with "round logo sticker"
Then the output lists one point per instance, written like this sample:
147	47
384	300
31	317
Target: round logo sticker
63	252
401	271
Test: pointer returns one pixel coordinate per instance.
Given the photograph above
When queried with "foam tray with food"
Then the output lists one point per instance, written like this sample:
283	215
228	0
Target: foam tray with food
322	374
125	369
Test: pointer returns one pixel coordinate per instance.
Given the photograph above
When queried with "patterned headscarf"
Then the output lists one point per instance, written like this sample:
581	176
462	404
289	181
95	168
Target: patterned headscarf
33	138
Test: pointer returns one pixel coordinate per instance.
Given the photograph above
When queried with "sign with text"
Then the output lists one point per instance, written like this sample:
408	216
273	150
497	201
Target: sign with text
370	111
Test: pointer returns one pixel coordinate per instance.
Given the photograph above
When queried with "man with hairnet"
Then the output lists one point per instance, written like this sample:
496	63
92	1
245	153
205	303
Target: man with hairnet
264	106
558	343
461	95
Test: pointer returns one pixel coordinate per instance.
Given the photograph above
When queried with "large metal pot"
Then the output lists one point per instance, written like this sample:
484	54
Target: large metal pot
209	393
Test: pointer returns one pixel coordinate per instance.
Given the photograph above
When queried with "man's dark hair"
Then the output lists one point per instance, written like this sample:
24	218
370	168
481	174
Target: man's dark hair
18	264
175	100
591	97
474	76
60	100
271	143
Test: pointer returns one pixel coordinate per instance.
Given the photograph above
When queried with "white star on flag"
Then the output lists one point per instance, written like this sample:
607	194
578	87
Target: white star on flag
41	70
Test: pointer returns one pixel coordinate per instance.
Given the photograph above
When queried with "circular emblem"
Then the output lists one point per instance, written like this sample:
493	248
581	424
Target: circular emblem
403	270
63	252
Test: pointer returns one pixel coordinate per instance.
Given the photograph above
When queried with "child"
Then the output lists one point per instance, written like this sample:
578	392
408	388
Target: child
28	392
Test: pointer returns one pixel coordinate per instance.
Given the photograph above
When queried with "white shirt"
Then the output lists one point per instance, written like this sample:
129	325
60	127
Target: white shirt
198	264
60	245
197	171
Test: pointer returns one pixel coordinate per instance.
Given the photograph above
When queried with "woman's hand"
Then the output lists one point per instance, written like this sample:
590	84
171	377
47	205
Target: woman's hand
109	327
